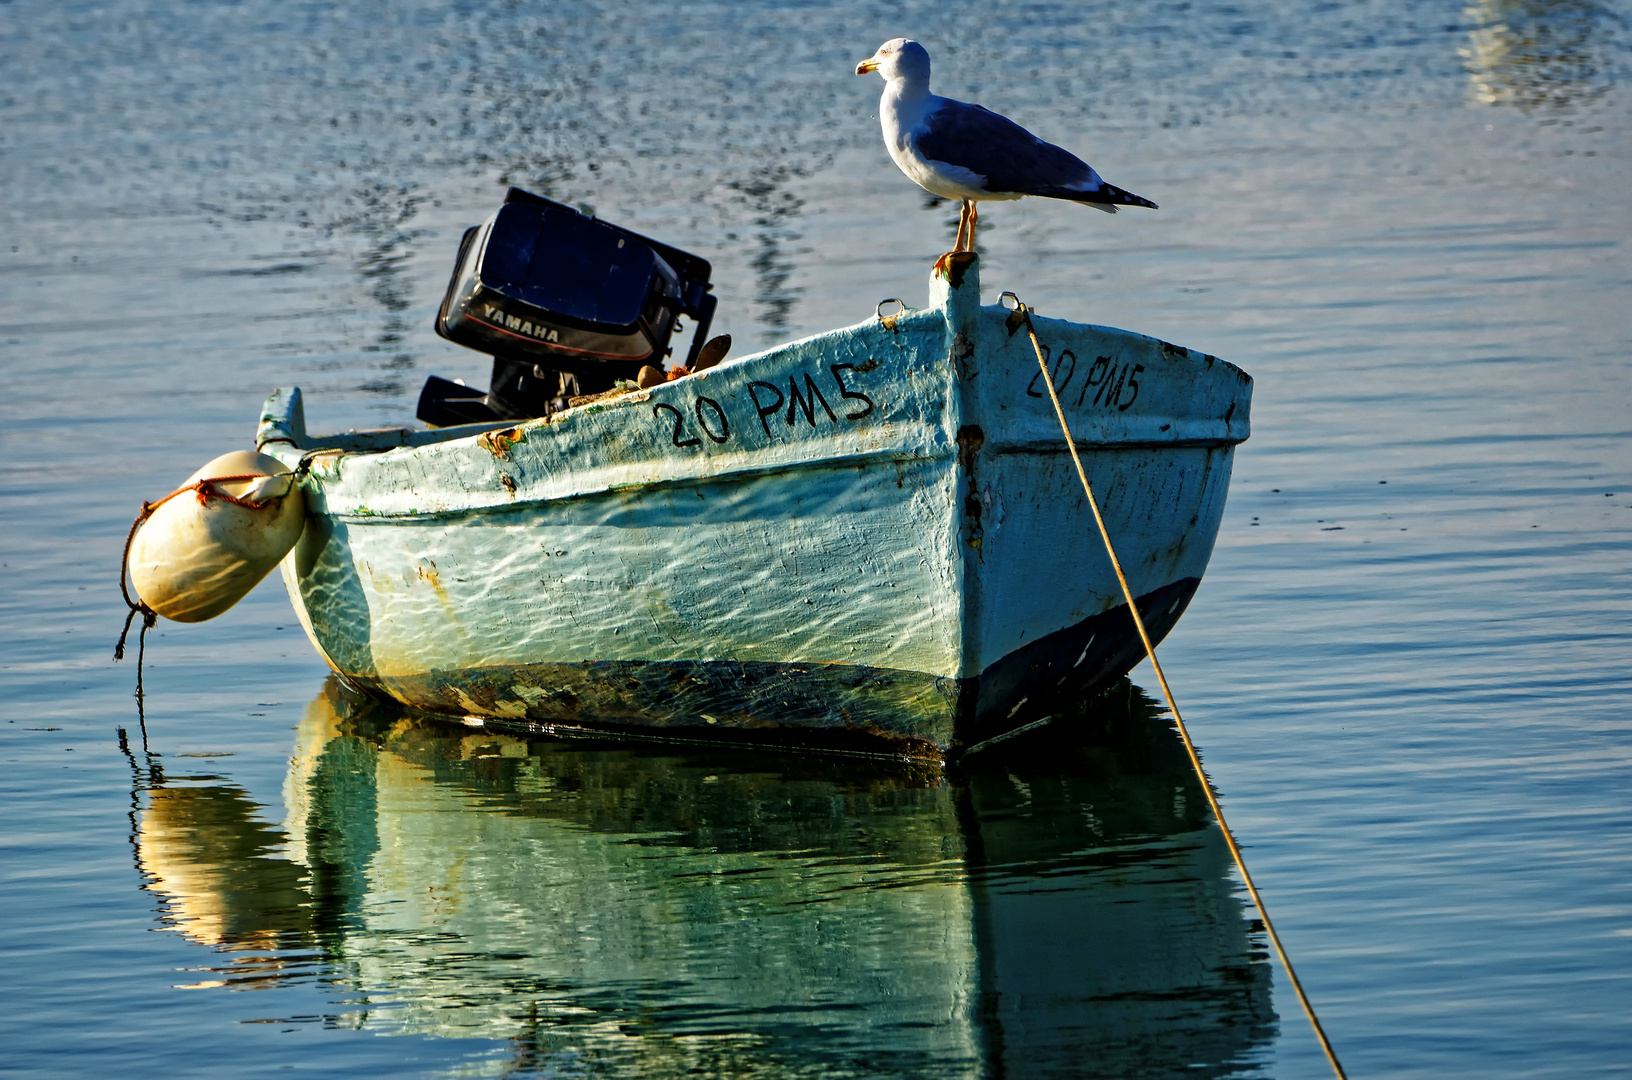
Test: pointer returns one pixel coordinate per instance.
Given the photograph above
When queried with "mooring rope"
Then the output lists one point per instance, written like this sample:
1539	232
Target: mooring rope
1024	313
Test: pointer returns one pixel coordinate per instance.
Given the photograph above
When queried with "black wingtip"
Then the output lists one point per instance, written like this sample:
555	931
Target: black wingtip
1108	197
1124	197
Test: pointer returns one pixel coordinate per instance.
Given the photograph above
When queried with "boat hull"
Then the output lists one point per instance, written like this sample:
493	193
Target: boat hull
869	539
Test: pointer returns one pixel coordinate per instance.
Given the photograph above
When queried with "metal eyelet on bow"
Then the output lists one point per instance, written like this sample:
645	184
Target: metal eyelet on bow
1018	312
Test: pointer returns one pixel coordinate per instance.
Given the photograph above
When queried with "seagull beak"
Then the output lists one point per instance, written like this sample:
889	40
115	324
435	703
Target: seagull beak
869	64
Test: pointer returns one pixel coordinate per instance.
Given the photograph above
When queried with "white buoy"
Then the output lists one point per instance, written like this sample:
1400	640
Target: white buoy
204	547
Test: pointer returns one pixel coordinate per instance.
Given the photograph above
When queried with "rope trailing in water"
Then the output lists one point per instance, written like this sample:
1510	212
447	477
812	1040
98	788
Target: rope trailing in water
1024	314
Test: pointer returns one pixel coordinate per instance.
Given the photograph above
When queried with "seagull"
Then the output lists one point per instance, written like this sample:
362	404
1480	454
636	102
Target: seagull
961	151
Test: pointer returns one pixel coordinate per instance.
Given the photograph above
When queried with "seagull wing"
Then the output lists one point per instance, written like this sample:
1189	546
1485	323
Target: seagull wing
1012	160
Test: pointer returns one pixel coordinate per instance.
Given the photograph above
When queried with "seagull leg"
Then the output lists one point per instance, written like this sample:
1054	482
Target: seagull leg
942	264
974	216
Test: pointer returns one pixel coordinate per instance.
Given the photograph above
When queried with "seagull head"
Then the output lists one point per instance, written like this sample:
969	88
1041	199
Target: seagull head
899	59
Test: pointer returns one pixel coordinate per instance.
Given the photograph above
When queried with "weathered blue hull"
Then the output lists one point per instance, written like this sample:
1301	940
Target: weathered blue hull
872	538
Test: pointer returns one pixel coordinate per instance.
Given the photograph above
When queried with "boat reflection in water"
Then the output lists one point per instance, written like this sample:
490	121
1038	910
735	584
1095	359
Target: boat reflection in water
1061	904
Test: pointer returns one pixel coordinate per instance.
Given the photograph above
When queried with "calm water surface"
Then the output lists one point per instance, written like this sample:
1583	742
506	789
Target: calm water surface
1408	666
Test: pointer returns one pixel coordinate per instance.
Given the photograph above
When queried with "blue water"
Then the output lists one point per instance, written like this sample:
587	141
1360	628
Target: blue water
1407	666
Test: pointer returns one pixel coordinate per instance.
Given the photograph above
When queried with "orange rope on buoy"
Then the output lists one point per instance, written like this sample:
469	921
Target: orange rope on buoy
1024	313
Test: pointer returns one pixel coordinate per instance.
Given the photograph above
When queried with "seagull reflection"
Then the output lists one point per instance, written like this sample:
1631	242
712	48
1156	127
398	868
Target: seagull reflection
1060	904
1536	53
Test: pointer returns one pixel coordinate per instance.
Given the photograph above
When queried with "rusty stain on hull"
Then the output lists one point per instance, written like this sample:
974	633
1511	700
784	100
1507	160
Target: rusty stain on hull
498	443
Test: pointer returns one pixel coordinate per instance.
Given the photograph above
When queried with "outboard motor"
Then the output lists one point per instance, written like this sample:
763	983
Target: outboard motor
565	304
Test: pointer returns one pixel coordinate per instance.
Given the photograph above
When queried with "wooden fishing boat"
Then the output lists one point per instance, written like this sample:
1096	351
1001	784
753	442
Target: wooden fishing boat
869	539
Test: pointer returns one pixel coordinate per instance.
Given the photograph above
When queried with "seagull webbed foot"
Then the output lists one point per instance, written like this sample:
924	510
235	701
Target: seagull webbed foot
952	266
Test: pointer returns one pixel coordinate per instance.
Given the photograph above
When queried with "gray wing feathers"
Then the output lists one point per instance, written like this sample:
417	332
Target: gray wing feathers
1012	159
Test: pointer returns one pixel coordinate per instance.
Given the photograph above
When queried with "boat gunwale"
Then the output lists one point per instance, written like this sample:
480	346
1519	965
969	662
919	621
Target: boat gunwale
288	424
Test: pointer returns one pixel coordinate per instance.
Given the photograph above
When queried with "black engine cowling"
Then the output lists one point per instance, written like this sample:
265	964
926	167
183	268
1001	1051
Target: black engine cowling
565	304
